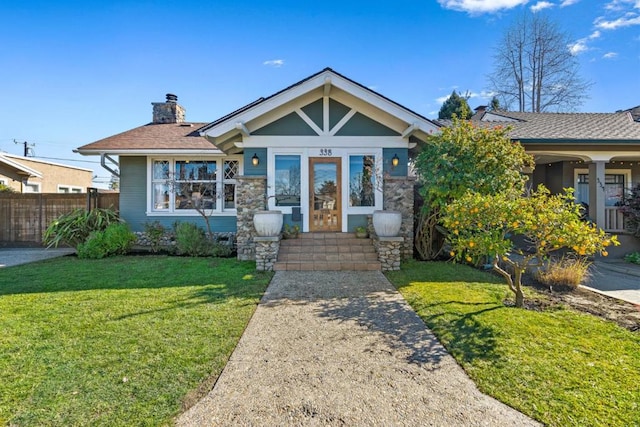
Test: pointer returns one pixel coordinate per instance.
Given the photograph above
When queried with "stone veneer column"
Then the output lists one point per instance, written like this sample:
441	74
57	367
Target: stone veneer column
250	197
398	196
267	249
389	251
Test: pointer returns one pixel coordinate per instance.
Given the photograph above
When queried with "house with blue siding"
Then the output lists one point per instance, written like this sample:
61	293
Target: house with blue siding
326	151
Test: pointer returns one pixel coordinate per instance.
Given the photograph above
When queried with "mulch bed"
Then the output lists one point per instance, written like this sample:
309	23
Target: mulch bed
623	313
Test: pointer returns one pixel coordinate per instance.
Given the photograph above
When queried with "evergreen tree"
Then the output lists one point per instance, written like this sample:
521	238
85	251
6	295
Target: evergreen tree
495	104
457	105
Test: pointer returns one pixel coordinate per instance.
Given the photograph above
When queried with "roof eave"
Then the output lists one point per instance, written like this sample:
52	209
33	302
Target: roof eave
136	152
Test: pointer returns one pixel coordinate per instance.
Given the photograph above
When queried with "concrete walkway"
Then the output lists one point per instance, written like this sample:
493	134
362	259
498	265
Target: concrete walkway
16	256
343	348
617	279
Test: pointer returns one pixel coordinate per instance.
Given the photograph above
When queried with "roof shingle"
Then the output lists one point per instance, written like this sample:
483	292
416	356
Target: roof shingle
169	136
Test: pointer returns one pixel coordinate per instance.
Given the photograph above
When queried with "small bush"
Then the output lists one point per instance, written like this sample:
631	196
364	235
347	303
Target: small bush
6	189
75	227
566	272
633	257
154	231
116	239
191	240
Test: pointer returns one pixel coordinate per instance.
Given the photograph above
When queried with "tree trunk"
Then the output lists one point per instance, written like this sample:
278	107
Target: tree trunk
518	287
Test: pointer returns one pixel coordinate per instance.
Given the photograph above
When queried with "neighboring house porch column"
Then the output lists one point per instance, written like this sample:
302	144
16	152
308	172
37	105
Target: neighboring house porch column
398	196
596	193
250	197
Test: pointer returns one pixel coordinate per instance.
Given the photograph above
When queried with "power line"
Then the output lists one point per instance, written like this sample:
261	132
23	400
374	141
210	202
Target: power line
68	160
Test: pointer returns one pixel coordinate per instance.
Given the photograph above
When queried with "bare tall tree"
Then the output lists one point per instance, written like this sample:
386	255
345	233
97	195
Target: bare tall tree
534	68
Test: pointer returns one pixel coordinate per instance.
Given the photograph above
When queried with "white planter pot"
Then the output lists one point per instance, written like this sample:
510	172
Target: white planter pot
268	223
387	223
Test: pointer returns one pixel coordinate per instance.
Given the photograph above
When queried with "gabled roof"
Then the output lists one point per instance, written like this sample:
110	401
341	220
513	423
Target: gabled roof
162	137
563	127
18	167
18	158
226	127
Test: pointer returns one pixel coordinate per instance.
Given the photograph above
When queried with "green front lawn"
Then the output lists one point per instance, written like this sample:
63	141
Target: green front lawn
119	341
558	366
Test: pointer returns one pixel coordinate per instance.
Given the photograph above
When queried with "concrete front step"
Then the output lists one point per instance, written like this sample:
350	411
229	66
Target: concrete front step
327	251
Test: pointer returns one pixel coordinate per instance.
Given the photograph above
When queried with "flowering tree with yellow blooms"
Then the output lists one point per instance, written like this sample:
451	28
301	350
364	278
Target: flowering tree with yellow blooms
485	225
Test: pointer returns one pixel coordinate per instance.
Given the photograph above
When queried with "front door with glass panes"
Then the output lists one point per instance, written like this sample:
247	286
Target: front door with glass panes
325	198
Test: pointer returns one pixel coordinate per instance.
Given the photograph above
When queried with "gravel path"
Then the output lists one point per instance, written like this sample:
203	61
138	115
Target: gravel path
343	348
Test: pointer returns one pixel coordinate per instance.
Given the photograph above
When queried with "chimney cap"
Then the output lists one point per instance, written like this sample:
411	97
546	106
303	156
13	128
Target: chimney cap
172	98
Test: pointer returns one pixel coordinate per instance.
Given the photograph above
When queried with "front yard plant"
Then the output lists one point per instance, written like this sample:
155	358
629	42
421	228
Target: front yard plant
120	341
633	257
484	227
116	239
556	365
76	226
566	272
463	158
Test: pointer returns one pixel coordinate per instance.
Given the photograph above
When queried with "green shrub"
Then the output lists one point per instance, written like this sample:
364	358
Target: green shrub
633	257
6	189
191	240
220	250
75	227
154	231
566	272
116	239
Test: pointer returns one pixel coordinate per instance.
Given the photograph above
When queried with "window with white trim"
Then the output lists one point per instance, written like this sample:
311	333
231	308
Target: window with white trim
31	187
69	189
362	180
614	187
185	185
287	180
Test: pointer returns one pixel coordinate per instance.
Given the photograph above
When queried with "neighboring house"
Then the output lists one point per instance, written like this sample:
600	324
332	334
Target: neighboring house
30	175
327	151
597	154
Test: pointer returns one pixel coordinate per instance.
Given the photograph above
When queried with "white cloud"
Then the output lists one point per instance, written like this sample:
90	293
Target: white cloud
276	63
610	55
540	6
596	34
627	20
617	5
578	47
566	3
481	6
442	99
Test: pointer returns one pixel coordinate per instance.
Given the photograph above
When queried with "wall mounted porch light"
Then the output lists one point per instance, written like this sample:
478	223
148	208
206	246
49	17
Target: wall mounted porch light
395	160
255	160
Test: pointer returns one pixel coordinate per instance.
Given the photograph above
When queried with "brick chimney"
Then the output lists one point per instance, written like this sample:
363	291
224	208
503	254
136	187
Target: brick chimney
169	111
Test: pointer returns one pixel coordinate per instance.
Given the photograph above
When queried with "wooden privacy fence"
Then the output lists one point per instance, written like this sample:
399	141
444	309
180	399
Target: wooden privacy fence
24	217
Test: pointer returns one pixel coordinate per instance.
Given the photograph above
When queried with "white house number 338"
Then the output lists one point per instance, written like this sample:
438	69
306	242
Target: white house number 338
326	152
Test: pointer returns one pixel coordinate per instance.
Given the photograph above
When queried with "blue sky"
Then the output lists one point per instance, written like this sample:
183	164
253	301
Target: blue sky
74	71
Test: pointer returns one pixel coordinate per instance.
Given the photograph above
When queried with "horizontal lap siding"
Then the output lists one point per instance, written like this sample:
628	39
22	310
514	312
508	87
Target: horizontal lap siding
133	191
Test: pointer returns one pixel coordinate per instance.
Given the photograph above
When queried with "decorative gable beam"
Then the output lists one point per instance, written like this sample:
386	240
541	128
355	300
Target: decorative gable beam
342	122
327	86
308	121
243	129
413	128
